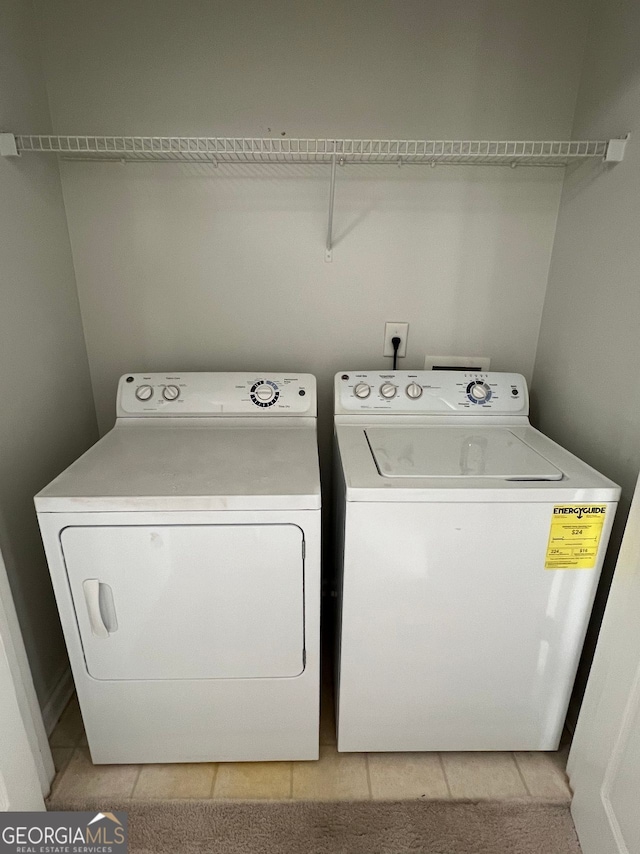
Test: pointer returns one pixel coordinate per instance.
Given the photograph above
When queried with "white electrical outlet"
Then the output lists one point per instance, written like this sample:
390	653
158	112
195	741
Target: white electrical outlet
391	330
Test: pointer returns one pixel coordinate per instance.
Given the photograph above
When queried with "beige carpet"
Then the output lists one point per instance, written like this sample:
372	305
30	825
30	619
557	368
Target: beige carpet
365	827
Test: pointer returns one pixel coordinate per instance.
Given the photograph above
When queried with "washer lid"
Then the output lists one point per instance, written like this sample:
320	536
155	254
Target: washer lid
456	452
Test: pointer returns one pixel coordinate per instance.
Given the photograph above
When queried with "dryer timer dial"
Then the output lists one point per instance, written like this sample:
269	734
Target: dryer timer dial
264	393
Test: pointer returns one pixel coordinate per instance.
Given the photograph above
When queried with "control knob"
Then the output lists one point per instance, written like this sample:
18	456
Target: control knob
388	390
144	392
414	391
362	390
479	392
171	392
264	392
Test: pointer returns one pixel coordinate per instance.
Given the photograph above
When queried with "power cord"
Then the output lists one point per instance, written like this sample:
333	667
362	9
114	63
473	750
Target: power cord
395	341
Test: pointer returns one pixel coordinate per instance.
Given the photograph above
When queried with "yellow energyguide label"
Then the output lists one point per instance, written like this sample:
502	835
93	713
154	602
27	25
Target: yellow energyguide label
575	536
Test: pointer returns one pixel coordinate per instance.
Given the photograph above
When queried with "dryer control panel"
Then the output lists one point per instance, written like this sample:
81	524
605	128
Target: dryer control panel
208	394
431	393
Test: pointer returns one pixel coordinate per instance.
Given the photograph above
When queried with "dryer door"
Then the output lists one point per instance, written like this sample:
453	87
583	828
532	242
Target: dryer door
188	601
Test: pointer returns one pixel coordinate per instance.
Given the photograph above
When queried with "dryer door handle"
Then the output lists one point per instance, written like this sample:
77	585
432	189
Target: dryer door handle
91	588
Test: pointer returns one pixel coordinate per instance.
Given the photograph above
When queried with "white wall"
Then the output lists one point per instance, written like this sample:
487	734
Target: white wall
586	383
195	268
46	417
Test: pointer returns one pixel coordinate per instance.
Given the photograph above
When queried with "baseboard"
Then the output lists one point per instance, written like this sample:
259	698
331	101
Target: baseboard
57	701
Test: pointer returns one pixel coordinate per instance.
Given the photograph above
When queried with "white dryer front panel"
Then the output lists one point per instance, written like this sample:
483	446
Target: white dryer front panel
188	601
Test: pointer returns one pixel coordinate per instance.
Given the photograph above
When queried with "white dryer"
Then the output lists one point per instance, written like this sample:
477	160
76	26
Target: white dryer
470	551
184	549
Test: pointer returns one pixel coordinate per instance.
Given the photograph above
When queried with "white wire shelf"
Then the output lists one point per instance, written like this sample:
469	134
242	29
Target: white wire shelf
277	150
334	152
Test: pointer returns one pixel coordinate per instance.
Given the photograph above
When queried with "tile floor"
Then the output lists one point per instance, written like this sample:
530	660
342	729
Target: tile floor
336	776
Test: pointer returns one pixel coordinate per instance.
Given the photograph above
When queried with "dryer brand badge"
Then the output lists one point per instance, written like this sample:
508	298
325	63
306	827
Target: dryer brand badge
574	537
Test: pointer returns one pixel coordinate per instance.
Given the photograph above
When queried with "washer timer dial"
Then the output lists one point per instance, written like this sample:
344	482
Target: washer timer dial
264	393
478	392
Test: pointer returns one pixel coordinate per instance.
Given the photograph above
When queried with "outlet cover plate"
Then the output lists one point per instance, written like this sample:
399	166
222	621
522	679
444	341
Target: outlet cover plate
391	329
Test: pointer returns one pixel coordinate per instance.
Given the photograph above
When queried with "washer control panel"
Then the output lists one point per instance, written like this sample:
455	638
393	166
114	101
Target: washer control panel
431	392
203	394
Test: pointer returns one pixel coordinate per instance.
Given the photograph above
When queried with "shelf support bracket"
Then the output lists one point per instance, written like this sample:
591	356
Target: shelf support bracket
8	147
615	149
328	254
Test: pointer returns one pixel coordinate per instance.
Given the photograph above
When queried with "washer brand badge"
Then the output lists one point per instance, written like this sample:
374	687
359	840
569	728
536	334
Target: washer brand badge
63	833
580	511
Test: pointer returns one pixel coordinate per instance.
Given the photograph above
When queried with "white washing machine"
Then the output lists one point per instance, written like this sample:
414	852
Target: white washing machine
470	547
184	549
